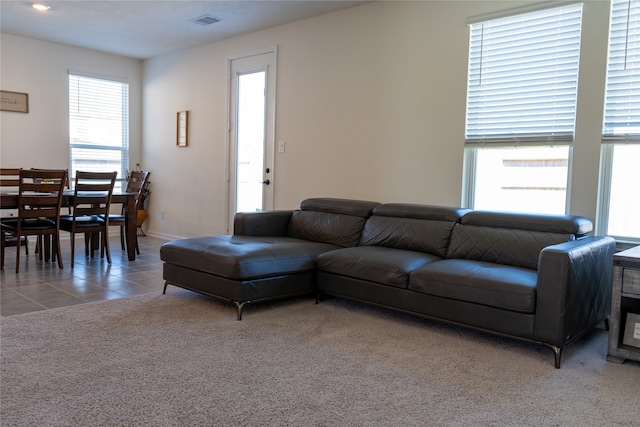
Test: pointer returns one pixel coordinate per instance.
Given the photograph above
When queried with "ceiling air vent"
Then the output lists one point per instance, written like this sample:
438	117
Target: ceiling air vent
205	20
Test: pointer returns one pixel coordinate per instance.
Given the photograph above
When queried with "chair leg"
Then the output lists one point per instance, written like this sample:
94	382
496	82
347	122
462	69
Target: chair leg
87	243
39	247
73	239
47	248
18	237
95	243
105	246
91	243
58	251
3	236
122	237
102	243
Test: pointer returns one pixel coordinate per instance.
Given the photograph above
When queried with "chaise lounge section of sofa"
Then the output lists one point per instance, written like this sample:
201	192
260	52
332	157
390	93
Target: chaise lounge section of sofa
540	278
271	254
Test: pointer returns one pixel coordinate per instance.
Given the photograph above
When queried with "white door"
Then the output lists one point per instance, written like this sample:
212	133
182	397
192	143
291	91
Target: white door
251	133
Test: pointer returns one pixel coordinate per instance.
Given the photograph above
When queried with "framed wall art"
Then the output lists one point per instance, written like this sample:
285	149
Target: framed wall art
182	135
14	101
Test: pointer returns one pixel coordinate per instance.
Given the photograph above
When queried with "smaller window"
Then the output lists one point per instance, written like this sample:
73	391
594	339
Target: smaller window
98	125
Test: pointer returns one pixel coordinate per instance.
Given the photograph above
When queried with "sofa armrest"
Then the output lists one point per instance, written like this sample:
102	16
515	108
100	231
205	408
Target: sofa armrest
265	223
574	288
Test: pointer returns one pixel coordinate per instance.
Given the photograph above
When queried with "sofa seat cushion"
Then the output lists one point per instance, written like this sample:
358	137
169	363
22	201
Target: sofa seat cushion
377	264
494	285
244	257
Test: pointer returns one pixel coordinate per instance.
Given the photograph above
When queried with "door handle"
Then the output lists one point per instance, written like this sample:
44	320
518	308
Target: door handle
266	182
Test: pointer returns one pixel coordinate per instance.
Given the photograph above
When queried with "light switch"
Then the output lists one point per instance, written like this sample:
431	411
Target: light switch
280	146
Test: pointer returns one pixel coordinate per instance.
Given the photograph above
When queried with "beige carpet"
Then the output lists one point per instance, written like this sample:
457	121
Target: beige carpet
183	360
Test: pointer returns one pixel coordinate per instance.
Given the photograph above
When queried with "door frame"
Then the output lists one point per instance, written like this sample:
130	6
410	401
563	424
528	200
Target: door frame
270	67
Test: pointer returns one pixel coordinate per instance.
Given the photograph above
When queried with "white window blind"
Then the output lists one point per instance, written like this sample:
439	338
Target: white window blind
98	125
523	75
622	102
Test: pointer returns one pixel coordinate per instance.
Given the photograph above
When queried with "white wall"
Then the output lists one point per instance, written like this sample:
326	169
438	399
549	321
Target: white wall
370	102
41	69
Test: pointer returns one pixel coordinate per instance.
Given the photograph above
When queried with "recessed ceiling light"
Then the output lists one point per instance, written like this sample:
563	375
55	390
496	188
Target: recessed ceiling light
40	6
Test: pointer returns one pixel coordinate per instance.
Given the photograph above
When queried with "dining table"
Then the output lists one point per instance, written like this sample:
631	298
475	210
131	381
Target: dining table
9	200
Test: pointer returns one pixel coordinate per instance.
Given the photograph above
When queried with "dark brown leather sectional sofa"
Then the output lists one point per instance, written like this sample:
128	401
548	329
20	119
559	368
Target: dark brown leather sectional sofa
539	278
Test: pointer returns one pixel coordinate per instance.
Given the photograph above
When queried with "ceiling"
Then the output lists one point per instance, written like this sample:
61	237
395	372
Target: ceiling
146	28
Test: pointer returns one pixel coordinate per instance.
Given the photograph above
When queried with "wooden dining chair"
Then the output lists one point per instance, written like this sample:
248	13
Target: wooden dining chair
39	203
136	183
91	201
9	181
39	243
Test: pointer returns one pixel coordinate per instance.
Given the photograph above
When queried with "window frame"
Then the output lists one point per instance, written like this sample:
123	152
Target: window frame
609	141
473	144
125	123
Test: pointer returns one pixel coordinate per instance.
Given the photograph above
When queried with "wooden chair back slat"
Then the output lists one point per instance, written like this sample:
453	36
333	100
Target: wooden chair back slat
40	193
66	179
92	193
9	177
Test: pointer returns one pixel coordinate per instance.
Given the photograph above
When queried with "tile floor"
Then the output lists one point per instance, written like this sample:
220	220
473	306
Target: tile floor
42	285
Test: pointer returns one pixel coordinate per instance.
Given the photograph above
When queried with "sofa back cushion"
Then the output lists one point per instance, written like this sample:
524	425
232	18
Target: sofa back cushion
327	220
412	227
512	238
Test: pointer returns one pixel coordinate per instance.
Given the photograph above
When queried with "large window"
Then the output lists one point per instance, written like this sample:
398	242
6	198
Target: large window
521	108
98	125
619	213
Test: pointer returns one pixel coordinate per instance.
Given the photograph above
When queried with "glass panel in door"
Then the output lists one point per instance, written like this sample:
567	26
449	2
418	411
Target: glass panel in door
250	141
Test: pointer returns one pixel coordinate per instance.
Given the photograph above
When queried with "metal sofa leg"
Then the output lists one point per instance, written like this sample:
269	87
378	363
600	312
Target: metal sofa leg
239	307
557	353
